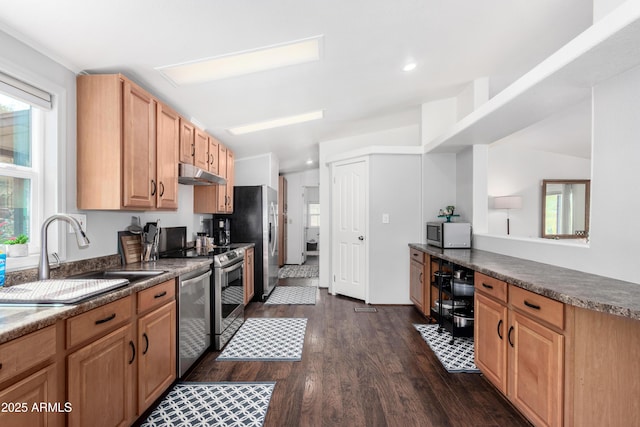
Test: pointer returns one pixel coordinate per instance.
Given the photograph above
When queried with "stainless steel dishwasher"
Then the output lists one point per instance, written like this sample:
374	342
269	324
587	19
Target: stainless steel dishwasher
194	317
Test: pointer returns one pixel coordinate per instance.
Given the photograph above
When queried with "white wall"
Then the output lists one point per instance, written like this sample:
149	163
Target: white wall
394	191
615	195
518	171
405	136
296	182
439	184
257	170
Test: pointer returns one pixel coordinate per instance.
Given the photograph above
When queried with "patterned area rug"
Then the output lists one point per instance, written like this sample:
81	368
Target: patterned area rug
457	357
293	295
213	404
299	271
267	339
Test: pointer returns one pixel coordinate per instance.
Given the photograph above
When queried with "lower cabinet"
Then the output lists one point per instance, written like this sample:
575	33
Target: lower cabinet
519	347
100	381
419	280
121	357
22	401
157	358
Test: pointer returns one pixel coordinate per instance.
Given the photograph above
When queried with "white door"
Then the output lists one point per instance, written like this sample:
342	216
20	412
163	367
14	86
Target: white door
349	225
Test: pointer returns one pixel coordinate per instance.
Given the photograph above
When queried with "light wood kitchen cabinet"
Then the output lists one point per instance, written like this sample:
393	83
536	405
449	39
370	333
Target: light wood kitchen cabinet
100	381
249	275
156	309
214	147
201	151
490	343
33	356
419	280
117	145
519	346
168	125
187	141
217	198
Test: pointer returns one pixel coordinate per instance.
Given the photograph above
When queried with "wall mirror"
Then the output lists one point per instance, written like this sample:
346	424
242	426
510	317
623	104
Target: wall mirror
565	208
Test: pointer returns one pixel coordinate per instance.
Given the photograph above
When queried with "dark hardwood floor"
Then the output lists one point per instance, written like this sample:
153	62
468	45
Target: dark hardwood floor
363	369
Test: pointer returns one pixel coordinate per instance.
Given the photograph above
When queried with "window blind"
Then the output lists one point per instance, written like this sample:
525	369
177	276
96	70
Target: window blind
25	92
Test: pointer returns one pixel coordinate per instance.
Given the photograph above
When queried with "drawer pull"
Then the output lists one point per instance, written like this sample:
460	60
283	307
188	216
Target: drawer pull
133	352
146	340
530	305
0	365
509	336
484	285
106	319
499	329
160	295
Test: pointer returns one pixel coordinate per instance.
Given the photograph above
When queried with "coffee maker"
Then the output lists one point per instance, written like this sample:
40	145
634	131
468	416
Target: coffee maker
221	231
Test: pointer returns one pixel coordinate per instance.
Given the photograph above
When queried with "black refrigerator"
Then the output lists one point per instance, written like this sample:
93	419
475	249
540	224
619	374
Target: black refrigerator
255	220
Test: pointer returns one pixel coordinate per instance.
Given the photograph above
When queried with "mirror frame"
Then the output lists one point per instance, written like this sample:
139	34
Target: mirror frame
587	207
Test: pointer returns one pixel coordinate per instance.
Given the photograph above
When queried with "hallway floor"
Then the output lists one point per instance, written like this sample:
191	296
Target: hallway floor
363	369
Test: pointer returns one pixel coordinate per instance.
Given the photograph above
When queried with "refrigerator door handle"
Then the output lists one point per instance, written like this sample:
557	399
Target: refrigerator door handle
274	214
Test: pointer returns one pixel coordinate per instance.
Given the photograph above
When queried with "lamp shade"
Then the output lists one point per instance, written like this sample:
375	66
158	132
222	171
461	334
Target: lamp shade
507	202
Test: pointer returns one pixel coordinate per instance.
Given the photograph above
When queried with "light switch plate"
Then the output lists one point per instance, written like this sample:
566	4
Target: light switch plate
385	218
82	219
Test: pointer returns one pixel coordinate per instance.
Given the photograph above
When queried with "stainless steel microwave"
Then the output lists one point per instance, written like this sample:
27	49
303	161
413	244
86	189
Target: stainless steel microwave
449	235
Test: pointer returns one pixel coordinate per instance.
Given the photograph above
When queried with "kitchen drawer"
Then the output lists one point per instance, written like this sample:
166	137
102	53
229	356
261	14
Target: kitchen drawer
98	321
491	286
23	353
156	296
538	306
417	255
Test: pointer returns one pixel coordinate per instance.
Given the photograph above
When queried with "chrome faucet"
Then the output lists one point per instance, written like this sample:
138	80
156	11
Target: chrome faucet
83	242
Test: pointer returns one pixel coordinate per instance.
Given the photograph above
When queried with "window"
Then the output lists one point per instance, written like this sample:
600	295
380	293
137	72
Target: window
314	214
23	113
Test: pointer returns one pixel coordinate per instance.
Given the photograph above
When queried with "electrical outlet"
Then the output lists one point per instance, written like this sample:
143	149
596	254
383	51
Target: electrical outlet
82	219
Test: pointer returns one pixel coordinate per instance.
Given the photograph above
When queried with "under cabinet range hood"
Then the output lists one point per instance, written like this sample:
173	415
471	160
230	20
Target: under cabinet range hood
192	175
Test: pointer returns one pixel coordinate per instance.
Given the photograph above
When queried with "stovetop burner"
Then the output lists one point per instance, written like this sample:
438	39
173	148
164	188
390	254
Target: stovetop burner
195	252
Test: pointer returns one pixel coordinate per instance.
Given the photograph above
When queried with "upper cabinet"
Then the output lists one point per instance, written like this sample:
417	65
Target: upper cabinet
127	147
217	198
187	141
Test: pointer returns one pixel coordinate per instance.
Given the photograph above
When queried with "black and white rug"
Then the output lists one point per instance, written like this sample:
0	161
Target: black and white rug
213	404
267	339
293	295
456	357
302	271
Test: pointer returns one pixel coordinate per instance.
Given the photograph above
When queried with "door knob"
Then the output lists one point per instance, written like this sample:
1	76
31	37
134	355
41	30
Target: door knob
360	237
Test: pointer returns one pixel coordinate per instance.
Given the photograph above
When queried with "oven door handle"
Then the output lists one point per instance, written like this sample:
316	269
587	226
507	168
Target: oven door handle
233	267
199	278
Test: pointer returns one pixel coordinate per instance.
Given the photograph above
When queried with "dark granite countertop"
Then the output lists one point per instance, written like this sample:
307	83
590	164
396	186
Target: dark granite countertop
572	287
16	321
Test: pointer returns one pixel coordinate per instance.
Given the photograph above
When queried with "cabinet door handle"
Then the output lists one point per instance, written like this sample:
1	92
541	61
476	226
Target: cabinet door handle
420	277
153	187
161	189
160	295
499	329
106	319
486	286
0	365
193	150
530	305
133	352
146	340
509	336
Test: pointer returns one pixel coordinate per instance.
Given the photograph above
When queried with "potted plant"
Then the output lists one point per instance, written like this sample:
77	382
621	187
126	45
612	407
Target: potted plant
17	246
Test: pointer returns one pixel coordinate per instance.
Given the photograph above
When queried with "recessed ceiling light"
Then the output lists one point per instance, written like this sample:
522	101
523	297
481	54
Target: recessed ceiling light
245	62
410	66
274	123
309	162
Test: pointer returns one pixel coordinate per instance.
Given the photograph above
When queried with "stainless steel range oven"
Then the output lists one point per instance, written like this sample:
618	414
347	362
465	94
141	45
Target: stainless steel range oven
227	281
228	298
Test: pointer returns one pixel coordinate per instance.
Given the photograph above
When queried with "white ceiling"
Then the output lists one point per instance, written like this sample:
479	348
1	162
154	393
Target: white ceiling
358	81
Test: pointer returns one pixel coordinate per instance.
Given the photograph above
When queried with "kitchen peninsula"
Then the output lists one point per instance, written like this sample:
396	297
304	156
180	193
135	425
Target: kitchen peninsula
559	343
